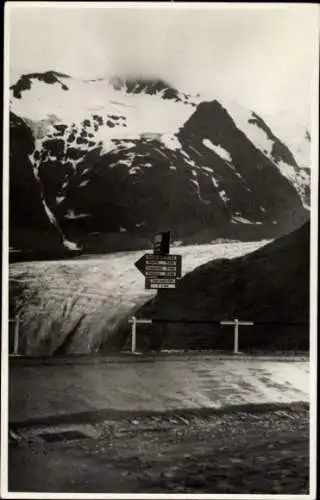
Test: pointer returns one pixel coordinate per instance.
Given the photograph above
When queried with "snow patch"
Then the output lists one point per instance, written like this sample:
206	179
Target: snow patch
219	150
191	162
298	177
129	144
171	141
223	196
84	183
242	220
127	162
74	163
50	215
254	133
287	171
195	150
207	169
214	182
161	153
196	183
291	133
59	199
150	136
70	245
134	170
71	215
143	112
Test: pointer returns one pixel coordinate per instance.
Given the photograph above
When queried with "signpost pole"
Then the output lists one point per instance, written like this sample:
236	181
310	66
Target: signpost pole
133	334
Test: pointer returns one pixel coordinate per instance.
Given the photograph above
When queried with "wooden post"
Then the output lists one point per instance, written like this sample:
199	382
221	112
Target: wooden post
133	334
236	336
16	335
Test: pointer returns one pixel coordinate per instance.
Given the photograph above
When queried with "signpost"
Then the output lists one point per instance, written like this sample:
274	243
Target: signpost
236	324
161	270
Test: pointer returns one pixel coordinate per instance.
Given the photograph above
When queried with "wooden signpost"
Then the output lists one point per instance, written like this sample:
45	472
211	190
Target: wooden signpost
161	269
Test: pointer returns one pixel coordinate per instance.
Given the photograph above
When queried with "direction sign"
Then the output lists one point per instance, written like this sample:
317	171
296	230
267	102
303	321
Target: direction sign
156	283
161	258
151	265
161	271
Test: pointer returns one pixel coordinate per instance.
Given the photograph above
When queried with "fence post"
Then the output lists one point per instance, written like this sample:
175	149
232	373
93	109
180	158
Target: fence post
16	335
133	334
236	324
236	336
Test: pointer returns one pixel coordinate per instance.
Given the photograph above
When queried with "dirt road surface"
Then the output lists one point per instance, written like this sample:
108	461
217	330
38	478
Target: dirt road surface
151	383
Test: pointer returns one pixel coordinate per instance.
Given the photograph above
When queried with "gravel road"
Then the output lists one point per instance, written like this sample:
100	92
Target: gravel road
248	451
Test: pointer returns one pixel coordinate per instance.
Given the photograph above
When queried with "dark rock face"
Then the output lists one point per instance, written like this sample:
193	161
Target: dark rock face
25	82
149	86
269	286
30	228
252	180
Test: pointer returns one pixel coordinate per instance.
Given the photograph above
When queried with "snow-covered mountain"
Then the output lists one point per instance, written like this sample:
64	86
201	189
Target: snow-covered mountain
295	135
109	163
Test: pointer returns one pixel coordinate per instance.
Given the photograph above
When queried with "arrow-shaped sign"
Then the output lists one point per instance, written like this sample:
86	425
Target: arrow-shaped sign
141	264
166	265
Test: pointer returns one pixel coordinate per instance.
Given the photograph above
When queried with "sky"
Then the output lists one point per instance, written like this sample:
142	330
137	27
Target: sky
263	57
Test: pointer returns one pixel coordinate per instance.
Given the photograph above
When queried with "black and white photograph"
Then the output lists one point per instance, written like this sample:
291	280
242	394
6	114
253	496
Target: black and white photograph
160	222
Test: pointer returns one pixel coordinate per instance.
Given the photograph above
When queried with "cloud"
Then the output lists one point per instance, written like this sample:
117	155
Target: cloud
262	57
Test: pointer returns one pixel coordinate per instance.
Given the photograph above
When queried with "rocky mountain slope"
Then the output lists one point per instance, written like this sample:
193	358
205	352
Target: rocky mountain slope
269	286
114	162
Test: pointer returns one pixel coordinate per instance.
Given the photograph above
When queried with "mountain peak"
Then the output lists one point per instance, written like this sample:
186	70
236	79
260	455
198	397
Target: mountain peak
151	86
126	157
26	80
